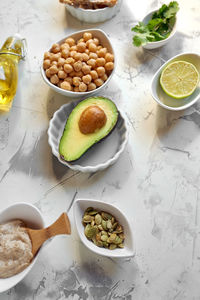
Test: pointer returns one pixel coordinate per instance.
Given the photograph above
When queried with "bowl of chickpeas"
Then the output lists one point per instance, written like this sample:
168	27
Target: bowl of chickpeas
80	64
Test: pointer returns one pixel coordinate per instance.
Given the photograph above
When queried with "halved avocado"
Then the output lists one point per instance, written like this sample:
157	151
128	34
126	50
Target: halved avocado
74	143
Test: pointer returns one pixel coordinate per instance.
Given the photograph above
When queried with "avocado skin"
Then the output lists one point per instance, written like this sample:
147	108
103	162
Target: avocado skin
73	144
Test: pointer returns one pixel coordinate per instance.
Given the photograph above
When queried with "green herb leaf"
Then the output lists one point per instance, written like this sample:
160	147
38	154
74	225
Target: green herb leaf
159	27
172	10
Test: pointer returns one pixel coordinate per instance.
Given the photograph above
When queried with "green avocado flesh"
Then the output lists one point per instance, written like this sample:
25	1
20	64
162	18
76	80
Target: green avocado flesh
73	143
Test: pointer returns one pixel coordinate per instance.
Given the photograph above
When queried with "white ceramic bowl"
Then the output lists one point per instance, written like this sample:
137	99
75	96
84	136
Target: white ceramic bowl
80	206
94	15
99	156
166	101
154	45
33	218
105	41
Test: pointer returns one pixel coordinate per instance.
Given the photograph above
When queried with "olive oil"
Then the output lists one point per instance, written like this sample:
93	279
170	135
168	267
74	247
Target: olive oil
10	54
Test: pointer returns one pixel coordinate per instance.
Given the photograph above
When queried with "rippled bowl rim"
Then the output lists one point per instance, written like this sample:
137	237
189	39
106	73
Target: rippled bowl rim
86	168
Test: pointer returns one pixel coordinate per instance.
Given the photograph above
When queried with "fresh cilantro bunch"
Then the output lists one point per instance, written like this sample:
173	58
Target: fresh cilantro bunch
158	28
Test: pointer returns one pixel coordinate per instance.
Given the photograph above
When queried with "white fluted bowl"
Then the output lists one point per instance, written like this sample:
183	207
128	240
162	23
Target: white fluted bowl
94	15
100	155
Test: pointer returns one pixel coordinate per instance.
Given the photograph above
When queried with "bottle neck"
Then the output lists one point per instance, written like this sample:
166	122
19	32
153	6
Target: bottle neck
13	47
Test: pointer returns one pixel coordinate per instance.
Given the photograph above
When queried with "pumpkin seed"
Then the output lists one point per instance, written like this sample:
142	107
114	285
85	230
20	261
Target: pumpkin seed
103	229
99	243
105	244
106	216
90	231
98	219
89	209
104	224
100	227
92	213
87	218
109	224
104	238
112	246
112	237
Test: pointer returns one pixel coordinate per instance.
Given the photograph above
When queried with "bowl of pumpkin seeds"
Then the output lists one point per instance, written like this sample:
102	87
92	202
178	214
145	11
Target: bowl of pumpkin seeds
103	228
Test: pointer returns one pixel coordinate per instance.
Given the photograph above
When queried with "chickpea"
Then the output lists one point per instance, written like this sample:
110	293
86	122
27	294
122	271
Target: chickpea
78	56
48	73
55	49
66	86
104	77
99	47
54	63
87	51
47	55
61	62
54	46
96	41
109	66
72	74
73	48
76	89
87	36
70	60
76	81
68	79
65	53
102	52
59	83
94	74
46	64
81	40
92	47
82	87
77	66
68	68
87	79
79	74
101	71
91	62
81	47
60	68
70	42
72	53
109	57
64	46
54	79
98	82
93	55
86	69
53	69
62	74
85	57
91	86
55	56
88	42
100	61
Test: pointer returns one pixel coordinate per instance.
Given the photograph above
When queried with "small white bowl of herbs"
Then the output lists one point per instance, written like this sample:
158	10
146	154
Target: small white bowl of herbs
157	28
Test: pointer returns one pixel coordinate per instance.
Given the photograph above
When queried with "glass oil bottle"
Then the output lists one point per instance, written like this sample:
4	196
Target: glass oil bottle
11	53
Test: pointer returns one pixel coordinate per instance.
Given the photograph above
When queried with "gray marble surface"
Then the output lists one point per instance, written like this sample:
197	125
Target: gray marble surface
155	182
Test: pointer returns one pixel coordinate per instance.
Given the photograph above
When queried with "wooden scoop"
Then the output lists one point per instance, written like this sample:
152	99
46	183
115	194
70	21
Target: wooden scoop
38	237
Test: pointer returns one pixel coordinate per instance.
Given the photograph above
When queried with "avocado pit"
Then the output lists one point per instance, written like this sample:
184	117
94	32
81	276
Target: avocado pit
92	119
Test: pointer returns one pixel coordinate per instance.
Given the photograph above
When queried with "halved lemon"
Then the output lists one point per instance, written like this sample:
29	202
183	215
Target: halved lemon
179	79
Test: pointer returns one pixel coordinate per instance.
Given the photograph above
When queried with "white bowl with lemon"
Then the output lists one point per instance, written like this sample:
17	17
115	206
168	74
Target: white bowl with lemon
175	86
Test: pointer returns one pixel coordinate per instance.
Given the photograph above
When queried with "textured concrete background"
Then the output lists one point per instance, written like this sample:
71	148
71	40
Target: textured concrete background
155	182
